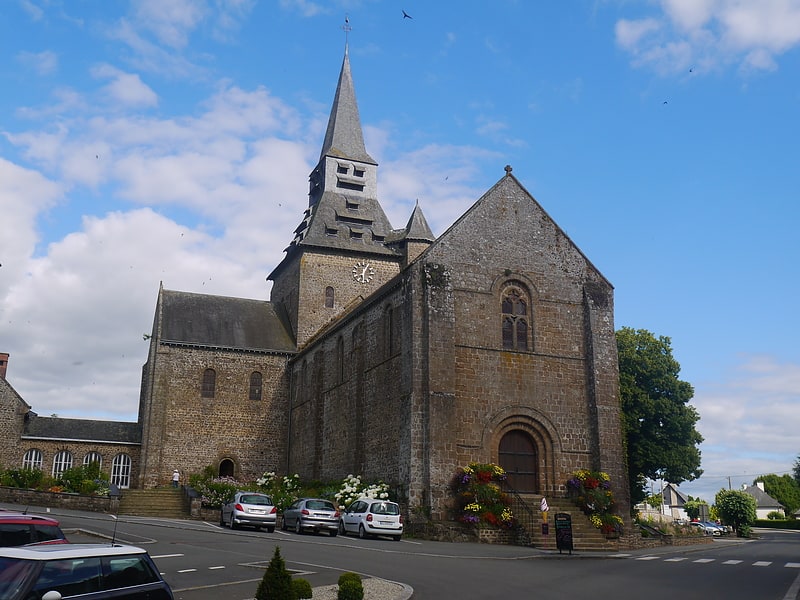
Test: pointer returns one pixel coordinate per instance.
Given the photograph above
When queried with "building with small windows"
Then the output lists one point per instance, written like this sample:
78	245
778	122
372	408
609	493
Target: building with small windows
389	353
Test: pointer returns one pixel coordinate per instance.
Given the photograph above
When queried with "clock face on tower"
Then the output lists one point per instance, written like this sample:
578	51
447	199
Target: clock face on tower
363	272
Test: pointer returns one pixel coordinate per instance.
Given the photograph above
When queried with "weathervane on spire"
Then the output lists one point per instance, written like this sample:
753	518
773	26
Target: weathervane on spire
347	29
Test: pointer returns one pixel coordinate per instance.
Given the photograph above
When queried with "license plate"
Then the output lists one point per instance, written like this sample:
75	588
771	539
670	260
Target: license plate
386	523
256	511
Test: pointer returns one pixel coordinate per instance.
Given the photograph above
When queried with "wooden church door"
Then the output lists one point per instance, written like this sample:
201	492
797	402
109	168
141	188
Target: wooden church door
520	459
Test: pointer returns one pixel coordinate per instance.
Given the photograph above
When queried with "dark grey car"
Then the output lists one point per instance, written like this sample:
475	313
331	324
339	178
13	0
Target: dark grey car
312	514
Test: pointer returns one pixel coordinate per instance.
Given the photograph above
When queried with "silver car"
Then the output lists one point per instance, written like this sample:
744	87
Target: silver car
93	571
251	509
312	514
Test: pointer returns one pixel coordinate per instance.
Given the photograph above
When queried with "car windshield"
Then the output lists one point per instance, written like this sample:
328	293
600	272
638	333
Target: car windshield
385	508
15	577
256	499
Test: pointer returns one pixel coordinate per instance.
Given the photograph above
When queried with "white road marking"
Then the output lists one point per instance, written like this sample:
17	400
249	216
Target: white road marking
704	560
762	563
166	555
732	562
187	570
676	559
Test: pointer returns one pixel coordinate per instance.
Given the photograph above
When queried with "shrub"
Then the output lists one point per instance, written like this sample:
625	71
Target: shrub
277	581
353	488
29	479
302	589
84	479
350	587
737	509
775	515
217	491
282	490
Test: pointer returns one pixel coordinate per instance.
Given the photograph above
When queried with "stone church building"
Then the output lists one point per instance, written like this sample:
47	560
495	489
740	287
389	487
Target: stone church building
388	353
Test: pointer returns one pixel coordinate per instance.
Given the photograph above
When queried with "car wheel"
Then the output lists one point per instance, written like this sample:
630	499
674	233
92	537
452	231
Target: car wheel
284	526
332	532
397	538
342	530
297	528
362	532
270	529
221	519
233	524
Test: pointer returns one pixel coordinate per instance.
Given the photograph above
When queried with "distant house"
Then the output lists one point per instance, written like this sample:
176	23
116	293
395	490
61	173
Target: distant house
674	501
765	503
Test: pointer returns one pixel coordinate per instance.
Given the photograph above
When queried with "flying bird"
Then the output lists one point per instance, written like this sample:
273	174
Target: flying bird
406	15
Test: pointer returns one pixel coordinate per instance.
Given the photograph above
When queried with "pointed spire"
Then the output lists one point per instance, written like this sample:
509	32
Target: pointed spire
417	228
344	137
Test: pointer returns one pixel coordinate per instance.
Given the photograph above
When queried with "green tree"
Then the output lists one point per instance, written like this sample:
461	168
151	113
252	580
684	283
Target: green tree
658	422
737	509
277	581
692	508
796	470
784	489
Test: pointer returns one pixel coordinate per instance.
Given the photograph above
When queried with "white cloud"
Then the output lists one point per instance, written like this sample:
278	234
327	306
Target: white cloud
43	63
712	33
171	21
749	423
126	89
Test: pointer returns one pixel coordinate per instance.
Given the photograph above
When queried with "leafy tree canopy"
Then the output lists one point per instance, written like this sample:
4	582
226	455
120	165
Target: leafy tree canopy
796	470
736	508
658	422
784	489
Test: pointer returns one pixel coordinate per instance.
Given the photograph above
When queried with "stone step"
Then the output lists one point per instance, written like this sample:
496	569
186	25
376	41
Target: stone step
167	503
585	536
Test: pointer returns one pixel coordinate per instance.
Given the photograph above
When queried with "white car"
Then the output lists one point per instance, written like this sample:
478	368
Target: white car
91	571
369	517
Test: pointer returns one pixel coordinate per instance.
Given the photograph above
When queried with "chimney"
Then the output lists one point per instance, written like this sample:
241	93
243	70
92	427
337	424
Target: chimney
760	485
3	364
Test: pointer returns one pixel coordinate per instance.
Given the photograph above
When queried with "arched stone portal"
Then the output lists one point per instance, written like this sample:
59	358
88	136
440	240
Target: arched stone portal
519	457
227	468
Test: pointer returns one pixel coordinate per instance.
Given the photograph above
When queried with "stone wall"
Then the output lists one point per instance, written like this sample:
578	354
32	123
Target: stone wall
193	432
42	500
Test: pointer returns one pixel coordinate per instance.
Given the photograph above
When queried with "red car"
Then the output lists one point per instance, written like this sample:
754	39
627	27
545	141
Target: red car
20	529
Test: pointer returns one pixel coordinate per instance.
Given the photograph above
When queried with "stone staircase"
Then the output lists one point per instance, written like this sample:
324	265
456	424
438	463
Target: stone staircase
585	536
169	503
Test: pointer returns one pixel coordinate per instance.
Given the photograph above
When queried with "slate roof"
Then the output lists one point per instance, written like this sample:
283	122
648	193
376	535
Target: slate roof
763	499
344	138
223	322
58	428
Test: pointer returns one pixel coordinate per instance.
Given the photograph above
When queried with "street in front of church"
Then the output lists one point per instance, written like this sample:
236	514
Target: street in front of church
202	561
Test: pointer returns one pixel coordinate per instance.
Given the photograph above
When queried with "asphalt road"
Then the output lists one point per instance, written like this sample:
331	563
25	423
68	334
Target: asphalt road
202	561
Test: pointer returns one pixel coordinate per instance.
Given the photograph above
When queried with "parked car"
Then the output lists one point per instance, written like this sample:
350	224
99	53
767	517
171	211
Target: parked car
251	509
706	528
368	517
721	528
19	529
91	571
312	514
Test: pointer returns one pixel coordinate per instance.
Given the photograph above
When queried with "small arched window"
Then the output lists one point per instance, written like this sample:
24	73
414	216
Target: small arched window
121	471
255	385
32	459
93	457
209	383
329	297
514	318
61	462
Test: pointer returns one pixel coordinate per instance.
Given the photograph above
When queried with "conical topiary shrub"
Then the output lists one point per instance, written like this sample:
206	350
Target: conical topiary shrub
277	581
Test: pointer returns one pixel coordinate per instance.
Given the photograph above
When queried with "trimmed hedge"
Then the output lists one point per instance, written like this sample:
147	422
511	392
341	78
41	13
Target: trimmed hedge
775	524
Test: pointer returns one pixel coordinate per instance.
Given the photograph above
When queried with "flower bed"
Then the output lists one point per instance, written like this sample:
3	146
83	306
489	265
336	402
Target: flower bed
591	492
479	500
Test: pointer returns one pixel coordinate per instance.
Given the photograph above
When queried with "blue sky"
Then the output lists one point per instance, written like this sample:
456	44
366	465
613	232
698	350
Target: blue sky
171	141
